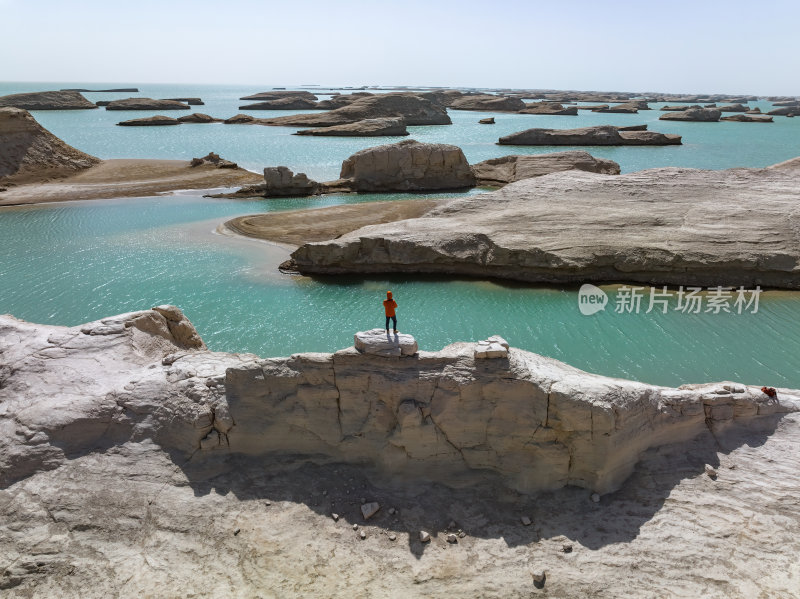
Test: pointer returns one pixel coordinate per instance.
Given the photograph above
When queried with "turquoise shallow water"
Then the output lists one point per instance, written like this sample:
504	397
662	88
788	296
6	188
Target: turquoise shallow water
71	263
706	145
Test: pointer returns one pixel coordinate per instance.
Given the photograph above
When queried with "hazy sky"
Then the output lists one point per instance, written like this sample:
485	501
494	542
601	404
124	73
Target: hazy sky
640	45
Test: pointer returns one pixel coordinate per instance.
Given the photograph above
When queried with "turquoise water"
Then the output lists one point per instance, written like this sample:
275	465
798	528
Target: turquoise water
70	263
706	145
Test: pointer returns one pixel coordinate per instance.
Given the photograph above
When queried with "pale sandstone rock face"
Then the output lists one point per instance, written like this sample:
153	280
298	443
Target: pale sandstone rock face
508	169
603	135
408	166
367	128
28	150
54	100
280	181
414	109
132	465
565	227
378	342
537	422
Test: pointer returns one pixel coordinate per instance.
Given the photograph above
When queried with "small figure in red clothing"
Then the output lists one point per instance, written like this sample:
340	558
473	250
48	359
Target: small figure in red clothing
389	305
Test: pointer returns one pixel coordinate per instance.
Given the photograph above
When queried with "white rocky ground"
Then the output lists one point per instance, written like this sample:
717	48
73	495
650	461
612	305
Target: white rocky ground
105	490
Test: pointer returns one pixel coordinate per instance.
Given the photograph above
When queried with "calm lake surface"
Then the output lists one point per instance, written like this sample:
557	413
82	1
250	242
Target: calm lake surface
70	263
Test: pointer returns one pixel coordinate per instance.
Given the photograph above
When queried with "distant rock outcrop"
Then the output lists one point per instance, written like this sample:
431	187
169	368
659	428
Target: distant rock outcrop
604	135
287	103
277	94
487	121
385	127
549	108
632	128
733	108
189	101
508	169
146	104
240	119
29	152
408	166
340	100
198	117
281	182
693	114
748	118
54	100
150	121
134	90
790	110
488	103
214	160
414	109
679	107
619	108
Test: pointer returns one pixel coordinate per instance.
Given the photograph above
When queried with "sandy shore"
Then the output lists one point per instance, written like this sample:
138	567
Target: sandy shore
126	178
296	227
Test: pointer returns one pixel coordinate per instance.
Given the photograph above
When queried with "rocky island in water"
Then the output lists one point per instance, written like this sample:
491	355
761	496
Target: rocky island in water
137	462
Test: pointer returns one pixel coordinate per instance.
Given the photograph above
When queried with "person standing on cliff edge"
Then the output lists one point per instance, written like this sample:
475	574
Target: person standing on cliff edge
389	305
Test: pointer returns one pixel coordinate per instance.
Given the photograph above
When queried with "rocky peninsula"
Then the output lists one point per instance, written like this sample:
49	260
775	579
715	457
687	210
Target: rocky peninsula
681	226
136	462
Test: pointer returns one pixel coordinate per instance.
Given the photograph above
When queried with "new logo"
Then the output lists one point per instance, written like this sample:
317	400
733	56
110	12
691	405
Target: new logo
591	299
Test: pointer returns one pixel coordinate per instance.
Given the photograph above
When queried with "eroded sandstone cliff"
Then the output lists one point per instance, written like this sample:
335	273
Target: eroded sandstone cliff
446	416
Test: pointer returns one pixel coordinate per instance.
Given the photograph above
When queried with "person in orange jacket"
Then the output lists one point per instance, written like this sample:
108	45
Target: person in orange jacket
389	305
